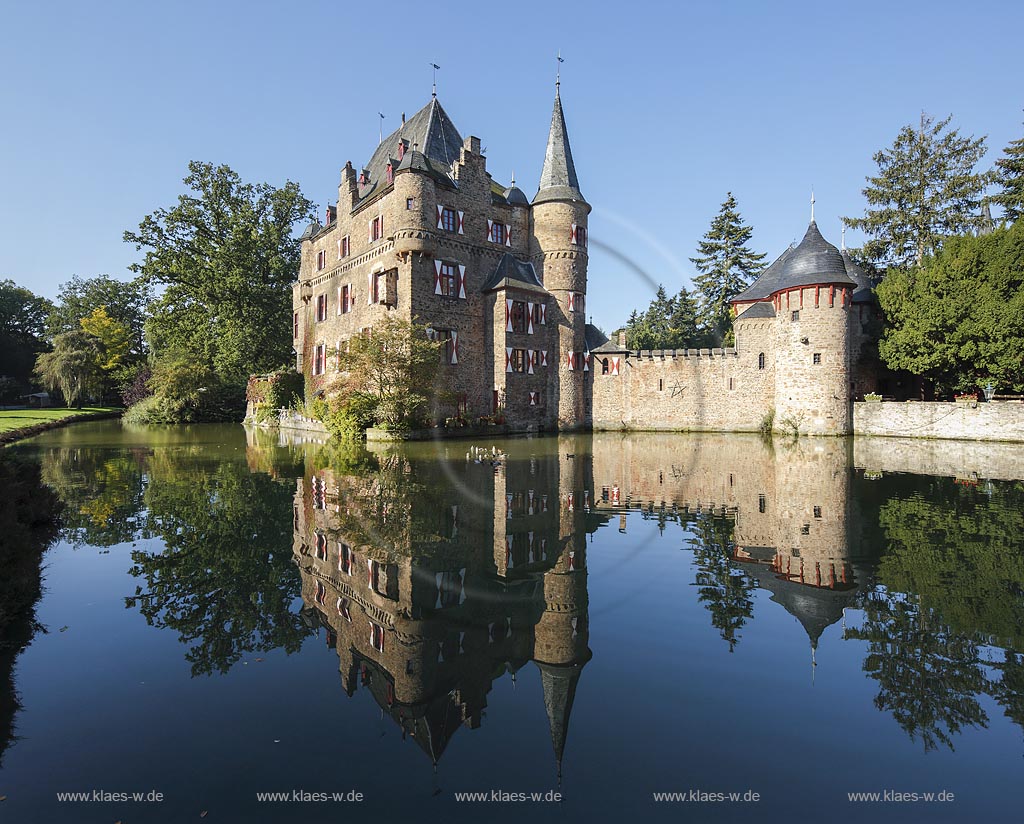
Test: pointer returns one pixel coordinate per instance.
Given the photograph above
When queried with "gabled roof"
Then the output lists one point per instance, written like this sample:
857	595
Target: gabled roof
813	261
429	132
515	273
558	179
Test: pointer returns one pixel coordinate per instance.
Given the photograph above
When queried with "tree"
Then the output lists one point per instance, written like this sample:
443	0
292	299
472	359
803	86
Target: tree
668	323
113	337
926	190
389	374
226	257
724	589
959	321
73	367
726	265
123	302
1009	174
22	333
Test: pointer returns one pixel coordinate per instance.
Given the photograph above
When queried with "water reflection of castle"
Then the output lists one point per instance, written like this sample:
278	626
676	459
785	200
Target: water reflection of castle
433	578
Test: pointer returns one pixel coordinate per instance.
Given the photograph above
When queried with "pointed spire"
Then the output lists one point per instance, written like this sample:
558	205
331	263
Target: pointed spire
812	204
558	179
842	243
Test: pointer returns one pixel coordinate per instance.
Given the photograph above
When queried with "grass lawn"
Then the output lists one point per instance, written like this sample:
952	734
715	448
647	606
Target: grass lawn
20	418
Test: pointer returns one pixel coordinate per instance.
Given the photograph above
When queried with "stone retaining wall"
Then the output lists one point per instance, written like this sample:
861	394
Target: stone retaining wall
996	421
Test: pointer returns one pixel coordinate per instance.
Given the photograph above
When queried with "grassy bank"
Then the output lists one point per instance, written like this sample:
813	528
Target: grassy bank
21	423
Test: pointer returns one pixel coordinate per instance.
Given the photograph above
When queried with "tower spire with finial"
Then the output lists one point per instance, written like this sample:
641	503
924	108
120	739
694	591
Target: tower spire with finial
433	92
842	247
812	206
558	71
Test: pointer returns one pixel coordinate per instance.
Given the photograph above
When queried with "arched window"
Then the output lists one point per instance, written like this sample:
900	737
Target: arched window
760	361
604	363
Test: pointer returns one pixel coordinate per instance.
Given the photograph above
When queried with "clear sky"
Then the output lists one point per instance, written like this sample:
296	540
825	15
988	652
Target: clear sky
669	106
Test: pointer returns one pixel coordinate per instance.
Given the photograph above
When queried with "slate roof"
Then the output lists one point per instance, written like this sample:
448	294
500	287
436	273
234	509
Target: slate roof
865	292
814	260
515	273
593	337
558	179
559	685
430	132
764	309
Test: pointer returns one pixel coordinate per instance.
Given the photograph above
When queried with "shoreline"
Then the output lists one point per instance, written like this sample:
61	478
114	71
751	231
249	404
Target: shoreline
15	435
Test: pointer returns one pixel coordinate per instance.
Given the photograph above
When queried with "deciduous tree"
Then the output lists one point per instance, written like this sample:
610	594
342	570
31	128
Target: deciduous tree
73	367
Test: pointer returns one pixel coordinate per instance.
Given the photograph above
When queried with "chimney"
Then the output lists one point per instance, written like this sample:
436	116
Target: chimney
622	338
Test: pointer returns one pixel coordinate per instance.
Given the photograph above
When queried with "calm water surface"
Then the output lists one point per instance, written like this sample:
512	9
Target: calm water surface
606	617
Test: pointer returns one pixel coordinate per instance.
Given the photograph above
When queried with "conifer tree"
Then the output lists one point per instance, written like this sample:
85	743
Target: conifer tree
727	265
1009	174
926	189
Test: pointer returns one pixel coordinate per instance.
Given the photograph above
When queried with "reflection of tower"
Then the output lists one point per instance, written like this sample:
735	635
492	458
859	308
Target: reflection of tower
561	635
803	558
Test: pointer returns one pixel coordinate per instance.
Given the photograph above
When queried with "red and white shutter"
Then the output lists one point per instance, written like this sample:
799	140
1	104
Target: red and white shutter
586	361
508	234
461	216
508	360
529	361
508	315
543	357
437	277
570	361
369	288
615	366
533	399
369	231
440	216
455	347
339	248
490	229
544	315
462	281
573	234
571	298
529	318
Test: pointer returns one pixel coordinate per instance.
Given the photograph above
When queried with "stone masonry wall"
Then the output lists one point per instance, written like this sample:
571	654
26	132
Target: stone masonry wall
997	421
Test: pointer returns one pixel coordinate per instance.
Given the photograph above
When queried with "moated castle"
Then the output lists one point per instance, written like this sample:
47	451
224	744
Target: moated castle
425	233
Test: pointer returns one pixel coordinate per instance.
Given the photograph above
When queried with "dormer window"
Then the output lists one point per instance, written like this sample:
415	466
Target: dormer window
401	149
389	175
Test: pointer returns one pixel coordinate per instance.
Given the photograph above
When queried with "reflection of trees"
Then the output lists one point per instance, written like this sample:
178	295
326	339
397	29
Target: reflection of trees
224	579
724	589
28	525
929	675
101	491
956	552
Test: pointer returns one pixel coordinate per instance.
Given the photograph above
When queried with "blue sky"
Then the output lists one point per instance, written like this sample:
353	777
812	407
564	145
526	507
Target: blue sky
669	106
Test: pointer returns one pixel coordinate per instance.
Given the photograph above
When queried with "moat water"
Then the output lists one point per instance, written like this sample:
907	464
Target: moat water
228	614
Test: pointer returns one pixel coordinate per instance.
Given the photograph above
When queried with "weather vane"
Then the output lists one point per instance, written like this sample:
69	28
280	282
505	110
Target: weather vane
435	67
558	69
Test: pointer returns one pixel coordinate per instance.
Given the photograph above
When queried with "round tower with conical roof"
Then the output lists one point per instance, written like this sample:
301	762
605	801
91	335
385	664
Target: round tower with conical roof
559	250
812	296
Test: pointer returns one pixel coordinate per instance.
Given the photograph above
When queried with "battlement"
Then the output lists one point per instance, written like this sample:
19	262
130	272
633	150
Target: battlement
651	354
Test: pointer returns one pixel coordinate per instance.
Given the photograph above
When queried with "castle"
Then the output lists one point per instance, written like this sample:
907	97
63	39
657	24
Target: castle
424	233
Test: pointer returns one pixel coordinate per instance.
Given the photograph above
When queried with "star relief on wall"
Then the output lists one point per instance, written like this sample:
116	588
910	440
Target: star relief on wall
677	389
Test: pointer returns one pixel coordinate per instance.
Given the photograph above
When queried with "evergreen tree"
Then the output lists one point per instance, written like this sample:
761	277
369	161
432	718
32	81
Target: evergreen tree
726	265
668	323
1009	174
926	189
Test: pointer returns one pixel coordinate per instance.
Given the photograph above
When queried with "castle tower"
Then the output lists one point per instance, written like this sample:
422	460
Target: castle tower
559	251
811	297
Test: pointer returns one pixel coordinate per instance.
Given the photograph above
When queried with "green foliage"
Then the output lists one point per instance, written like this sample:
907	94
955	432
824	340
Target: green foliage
113	338
22	335
1009	175
186	392
926	190
959	320
348	418
724	589
767	424
668	323
226	258
394	370
123	302
73	367
726	265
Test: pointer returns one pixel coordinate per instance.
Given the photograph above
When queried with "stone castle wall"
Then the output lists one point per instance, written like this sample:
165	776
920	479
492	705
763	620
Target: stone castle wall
997	421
